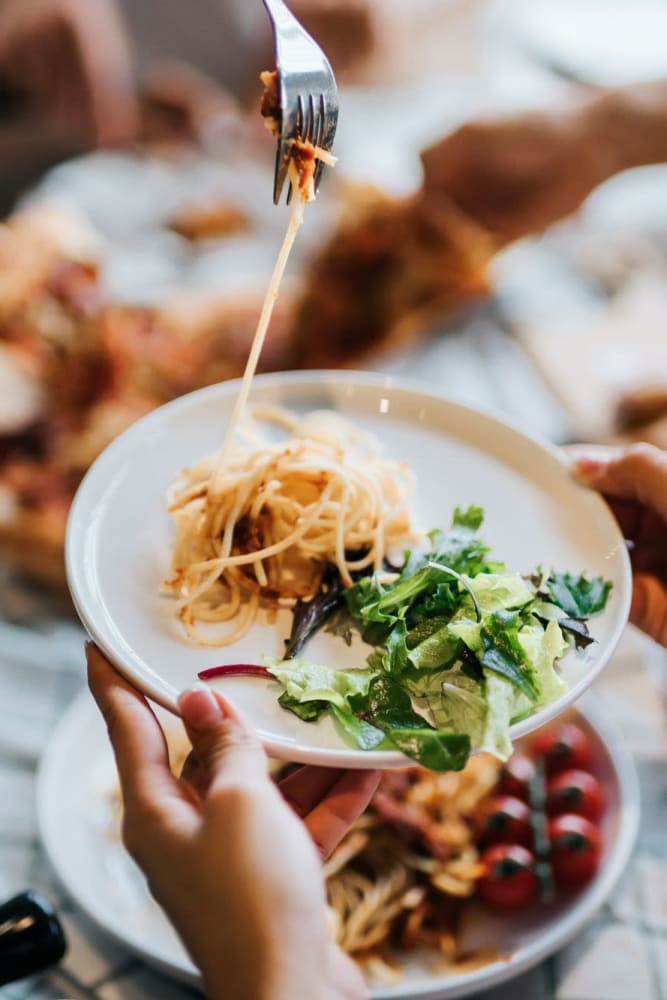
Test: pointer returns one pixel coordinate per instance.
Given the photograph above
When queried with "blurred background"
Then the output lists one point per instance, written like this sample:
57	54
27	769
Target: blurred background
496	228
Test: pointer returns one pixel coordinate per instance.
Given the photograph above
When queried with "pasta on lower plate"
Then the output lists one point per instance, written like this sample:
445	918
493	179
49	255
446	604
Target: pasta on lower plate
399	878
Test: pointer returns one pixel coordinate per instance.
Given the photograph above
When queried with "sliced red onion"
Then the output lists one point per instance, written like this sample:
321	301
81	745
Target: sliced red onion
235	670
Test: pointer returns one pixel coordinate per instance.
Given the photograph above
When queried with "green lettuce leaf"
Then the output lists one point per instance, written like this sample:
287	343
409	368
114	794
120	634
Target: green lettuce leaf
359	732
503	653
578	596
500	710
433	749
309	711
457	702
389	706
495	641
542	647
310	682
460	548
497	592
424	628
438	650
395	653
469	632
420	587
494	592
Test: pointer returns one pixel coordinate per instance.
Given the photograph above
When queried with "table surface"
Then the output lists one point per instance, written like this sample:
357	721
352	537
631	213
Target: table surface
622	955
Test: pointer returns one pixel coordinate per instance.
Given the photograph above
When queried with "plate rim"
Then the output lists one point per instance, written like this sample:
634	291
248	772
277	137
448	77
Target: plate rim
82	711
166	695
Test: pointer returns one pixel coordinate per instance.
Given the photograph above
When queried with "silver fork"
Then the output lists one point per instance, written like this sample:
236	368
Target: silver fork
307	92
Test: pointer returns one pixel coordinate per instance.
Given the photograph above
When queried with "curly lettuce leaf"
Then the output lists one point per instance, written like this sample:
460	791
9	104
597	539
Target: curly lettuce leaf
578	596
309	711
311	682
501	708
418	584
499	592
503	653
457	701
542	647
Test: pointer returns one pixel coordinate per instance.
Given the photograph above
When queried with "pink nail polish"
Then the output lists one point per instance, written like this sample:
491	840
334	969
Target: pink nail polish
588	466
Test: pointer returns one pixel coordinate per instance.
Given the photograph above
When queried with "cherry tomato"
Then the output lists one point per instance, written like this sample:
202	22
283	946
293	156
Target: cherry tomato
505	819
563	747
510	881
516	776
576	848
575	792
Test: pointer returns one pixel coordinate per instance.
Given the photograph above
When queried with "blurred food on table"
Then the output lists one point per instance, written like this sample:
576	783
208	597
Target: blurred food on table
386	41
209	221
391	270
81	369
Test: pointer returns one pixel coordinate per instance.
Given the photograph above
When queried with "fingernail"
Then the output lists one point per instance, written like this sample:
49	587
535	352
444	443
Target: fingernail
200	708
587	467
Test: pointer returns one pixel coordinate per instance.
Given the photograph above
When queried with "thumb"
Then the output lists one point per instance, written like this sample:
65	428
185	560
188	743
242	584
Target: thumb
225	745
636	473
649	606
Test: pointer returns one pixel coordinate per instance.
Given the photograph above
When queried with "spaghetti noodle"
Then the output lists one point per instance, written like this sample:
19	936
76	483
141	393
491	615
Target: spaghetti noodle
280	515
301	175
400	876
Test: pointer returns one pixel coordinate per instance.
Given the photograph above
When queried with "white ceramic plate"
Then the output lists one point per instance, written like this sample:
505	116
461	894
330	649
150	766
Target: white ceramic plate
79	828
119	538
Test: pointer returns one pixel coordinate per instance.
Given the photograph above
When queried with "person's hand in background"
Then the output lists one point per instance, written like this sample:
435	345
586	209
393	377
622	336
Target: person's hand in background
513	175
72	59
235	868
634	482
518	174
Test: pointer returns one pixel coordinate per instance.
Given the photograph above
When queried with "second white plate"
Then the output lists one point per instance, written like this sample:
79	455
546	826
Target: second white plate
119	538
80	827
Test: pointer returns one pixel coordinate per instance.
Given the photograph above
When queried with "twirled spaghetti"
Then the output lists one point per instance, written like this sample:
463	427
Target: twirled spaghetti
280	514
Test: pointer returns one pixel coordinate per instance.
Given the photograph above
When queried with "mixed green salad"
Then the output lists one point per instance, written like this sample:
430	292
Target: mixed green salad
462	648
